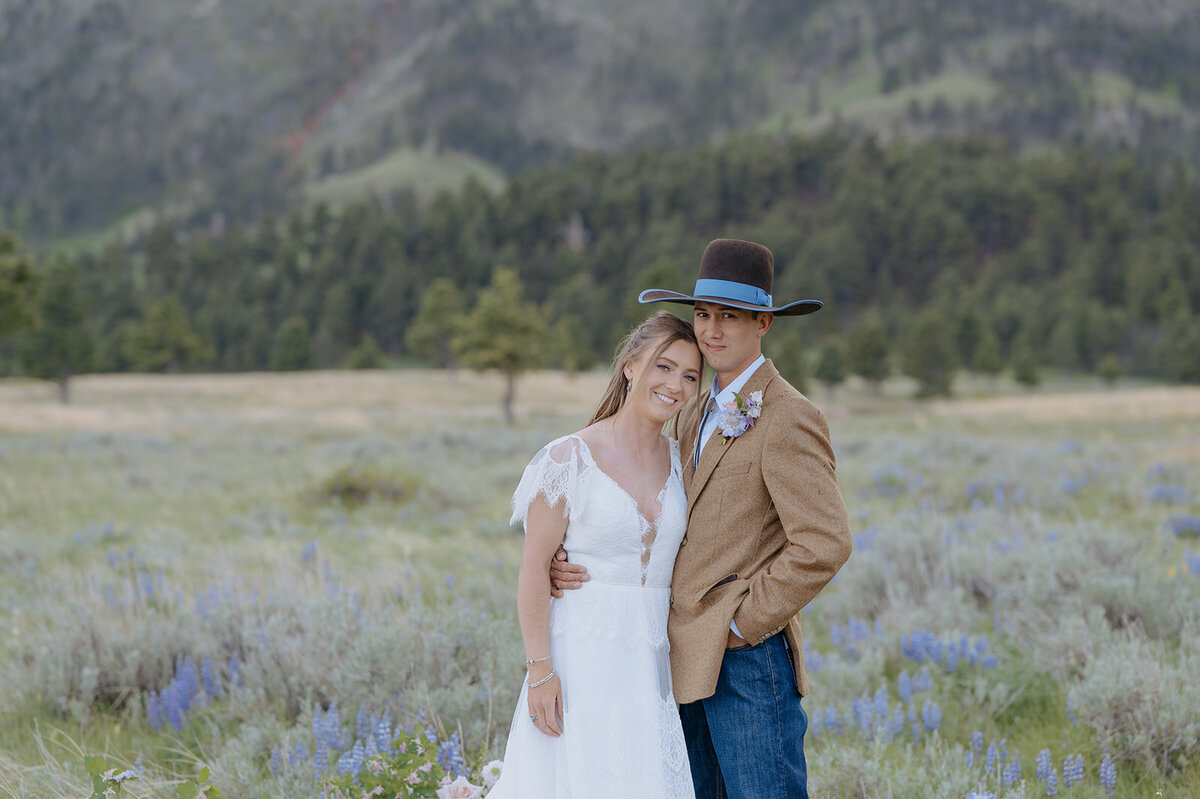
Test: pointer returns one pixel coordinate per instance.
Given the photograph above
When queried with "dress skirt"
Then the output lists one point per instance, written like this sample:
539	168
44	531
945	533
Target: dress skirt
621	731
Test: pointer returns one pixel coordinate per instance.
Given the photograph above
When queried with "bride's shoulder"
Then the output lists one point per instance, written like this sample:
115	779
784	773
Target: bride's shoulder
568	448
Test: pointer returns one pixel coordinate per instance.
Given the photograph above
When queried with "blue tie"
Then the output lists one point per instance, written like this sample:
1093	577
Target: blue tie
709	407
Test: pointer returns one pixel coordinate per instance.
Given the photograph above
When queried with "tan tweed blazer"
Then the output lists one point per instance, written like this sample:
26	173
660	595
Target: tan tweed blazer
767	530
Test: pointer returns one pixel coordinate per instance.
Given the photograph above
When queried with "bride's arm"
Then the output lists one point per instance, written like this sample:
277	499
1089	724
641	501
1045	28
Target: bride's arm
544	531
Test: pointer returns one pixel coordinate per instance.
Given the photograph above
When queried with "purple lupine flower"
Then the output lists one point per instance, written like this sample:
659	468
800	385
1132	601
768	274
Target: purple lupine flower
297	756
235	672
1072	770
1012	772
212	683
881	704
904	686
351	761
832	722
992	755
450	756
362	722
931	716
1108	776
1044	766
154	713
275	764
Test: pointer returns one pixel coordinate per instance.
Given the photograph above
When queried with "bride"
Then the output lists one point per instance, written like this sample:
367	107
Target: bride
597	718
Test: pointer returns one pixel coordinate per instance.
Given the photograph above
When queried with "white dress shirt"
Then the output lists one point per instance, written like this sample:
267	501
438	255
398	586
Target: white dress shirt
735	385
710	424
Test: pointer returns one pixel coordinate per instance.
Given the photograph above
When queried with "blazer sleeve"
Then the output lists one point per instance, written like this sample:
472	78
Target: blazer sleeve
798	469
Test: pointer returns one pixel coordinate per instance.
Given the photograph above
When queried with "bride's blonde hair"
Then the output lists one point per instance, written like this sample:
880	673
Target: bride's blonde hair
663	329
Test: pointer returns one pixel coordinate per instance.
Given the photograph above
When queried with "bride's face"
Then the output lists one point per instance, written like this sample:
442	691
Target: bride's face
659	389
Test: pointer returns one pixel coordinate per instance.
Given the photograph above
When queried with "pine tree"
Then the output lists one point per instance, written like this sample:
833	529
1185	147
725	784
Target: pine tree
786	350
831	365
164	340
293	349
867	350
437	322
59	346
987	359
503	332
1025	367
16	287
367	354
930	356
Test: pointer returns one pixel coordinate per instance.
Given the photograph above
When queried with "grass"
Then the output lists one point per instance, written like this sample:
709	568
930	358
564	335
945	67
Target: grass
347	542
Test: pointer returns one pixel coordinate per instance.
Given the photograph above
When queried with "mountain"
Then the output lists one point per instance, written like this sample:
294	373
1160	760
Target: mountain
117	111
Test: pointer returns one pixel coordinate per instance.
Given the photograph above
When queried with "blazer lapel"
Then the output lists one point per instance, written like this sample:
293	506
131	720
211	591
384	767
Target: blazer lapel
715	450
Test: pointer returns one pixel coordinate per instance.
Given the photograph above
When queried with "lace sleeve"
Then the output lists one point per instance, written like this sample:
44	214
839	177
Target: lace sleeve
557	473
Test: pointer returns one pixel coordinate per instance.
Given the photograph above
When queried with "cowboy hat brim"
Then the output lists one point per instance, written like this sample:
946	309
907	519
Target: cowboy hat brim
799	308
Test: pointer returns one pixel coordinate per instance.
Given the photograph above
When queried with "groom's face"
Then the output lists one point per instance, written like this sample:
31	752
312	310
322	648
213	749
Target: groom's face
730	338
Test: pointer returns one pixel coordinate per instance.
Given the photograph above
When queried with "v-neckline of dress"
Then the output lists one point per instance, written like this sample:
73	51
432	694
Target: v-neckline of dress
652	522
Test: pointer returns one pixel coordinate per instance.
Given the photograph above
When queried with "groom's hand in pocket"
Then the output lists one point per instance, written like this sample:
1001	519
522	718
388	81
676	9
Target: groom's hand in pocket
564	575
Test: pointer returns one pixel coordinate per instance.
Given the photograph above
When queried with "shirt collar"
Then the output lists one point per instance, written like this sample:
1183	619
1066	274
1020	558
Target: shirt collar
736	384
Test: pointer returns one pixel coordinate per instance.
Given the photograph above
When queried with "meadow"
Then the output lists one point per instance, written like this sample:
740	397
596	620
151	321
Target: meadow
273	574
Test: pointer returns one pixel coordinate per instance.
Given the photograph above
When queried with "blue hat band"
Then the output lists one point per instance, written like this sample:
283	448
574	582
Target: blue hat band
730	290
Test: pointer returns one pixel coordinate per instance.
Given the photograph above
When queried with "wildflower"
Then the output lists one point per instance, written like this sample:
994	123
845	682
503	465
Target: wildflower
732	422
1012	772
931	716
491	773
1072	770
1108	776
460	789
904	686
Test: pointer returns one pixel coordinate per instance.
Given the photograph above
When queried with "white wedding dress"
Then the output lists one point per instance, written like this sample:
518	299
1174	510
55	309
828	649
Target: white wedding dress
608	642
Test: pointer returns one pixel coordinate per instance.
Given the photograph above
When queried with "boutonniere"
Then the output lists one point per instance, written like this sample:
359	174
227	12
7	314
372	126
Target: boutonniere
739	416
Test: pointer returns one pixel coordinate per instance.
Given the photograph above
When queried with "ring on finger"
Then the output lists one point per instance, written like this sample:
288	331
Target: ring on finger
533	719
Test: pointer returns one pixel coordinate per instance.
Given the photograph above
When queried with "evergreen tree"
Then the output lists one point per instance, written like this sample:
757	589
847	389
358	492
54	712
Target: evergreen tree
987	359
59	346
571	346
929	356
785	347
164	340
1025	367
503	332
438	321
1110	369
867	350
16	287
367	354
831	365
293	349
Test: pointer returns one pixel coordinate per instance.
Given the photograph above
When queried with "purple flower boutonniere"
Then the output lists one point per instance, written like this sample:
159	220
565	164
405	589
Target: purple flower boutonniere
739	416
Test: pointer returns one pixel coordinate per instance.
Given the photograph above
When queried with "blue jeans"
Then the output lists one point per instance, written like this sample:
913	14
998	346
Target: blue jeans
746	741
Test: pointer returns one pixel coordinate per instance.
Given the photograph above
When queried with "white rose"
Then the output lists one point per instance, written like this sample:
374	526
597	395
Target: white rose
460	789
491	773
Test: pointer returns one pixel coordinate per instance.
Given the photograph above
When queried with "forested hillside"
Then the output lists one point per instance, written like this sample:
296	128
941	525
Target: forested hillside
214	111
1066	260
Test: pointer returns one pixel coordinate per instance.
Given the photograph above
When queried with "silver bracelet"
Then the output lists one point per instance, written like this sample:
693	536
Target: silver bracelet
529	663
543	680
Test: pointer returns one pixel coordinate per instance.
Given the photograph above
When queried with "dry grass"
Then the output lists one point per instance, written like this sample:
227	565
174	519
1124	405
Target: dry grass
356	401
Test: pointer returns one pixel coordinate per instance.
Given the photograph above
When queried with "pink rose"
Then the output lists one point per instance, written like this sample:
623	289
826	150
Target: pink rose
460	789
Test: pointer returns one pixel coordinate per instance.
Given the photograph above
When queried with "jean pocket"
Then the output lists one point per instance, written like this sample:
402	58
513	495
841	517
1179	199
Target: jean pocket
742	648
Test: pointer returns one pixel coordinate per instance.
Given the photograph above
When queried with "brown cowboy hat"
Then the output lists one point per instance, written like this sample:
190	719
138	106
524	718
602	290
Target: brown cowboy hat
738	274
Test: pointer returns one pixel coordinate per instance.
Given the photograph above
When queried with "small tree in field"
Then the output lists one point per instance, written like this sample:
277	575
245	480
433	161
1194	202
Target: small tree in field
867	351
16	287
59	346
930	357
436	324
831	365
503	332
164	340
1025	368
293	350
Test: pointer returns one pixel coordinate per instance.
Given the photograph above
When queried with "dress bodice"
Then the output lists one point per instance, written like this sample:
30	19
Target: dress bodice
606	531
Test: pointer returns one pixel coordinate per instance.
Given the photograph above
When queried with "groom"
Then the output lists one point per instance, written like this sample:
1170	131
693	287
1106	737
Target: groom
767	530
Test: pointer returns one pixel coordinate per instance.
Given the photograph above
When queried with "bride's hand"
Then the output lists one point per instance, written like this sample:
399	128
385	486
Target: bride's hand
546	702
